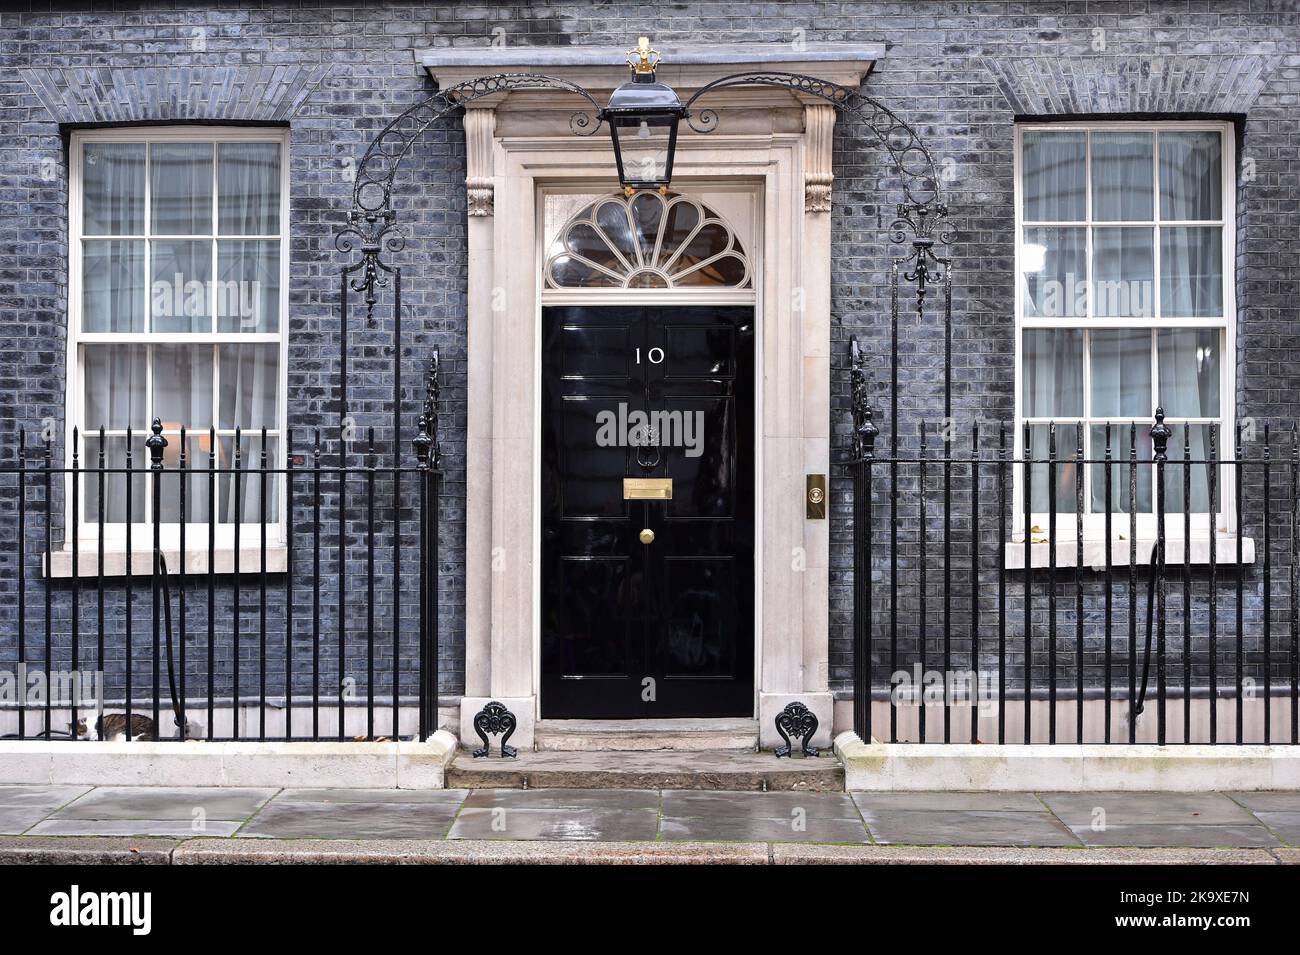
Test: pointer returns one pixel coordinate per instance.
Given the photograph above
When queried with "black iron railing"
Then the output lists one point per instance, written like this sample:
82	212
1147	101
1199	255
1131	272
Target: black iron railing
312	614
994	602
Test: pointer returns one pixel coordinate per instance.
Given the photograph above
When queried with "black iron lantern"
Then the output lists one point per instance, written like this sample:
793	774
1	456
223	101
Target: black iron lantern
643	115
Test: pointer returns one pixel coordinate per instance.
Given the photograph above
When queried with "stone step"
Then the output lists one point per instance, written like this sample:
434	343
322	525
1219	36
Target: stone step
689	735
710	769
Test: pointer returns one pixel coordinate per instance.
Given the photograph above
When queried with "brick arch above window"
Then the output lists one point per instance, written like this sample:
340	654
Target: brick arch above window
1040	86
228	94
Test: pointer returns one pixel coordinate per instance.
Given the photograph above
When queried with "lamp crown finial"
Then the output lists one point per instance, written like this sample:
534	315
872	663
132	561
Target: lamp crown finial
642	59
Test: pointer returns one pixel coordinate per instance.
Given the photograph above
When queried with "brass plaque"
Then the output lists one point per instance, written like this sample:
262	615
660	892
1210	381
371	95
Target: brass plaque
647	489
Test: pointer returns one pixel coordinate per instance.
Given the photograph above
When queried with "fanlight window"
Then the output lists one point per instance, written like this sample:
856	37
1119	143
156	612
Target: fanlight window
647	240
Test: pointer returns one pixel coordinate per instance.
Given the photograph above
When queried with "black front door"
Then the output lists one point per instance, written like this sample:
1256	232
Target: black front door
647	602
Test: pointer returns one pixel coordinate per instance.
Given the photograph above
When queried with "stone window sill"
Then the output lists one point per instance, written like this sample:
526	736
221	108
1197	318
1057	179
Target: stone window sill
1094	552
58	563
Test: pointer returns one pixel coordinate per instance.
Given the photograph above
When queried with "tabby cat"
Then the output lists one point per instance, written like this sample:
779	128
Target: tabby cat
112	726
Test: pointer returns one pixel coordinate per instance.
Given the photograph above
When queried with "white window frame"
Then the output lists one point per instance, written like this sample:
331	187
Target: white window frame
1094	523
197	533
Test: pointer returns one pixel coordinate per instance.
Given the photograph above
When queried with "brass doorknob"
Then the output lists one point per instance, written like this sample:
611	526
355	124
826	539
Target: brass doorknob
647	536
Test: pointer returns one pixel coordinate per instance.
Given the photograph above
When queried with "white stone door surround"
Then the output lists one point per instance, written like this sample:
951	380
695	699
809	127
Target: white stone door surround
768	139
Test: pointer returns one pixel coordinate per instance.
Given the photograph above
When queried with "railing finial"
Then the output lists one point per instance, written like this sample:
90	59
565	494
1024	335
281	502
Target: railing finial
427	451
156	443
1160	435
865	431
423	444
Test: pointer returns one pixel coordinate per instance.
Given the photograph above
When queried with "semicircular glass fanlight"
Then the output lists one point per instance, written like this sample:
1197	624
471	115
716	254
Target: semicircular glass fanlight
647	240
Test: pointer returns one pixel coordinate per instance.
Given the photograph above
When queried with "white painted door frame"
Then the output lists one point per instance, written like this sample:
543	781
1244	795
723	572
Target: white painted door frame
517	147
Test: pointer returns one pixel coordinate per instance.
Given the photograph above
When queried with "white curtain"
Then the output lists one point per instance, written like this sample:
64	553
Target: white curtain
1189	388
249	385
180	190
248	203
248	188
1121	176
1053	388
113	189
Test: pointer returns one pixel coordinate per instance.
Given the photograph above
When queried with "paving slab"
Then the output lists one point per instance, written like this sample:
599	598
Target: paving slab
961	818
1080	810
749	805
21	807
294	819
600	815
177	828
722	829
769	817
564	823
1158	819
52	797
435	797
1268	801
1286	825
166	802
975	801
966	827
1190	835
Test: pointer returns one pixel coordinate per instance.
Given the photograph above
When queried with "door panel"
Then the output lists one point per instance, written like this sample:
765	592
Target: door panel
663	629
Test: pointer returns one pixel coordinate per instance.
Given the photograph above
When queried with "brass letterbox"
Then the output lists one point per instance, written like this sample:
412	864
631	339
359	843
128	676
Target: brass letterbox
647	489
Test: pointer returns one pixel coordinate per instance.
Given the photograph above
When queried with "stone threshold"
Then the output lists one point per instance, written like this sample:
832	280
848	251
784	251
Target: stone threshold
351	765
964	767
724	770
683	735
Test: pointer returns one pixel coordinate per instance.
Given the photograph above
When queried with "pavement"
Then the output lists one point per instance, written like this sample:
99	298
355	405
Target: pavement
211	825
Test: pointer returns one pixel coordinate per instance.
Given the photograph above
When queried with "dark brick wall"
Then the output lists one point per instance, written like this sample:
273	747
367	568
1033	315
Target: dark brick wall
335	73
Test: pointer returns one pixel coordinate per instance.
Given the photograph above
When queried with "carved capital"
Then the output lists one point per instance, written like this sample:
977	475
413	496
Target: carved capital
479	192
480	125
819	125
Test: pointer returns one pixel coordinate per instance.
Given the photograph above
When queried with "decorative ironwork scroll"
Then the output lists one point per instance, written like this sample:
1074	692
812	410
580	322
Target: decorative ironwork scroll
796	720
495	720
911	157
372	221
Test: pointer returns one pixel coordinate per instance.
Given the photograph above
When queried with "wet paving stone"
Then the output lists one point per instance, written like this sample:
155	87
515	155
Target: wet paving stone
1192	820
609	815
178	828
1285	824
559	823
332	817
956	819
1274	801
177	803
22	807
1078	810
764	817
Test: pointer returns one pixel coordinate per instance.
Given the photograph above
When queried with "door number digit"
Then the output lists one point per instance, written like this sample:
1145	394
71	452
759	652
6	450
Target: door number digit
655	355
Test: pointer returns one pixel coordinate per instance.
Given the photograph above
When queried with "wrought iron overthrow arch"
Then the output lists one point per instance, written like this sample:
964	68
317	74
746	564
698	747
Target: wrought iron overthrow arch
922	220
372	221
